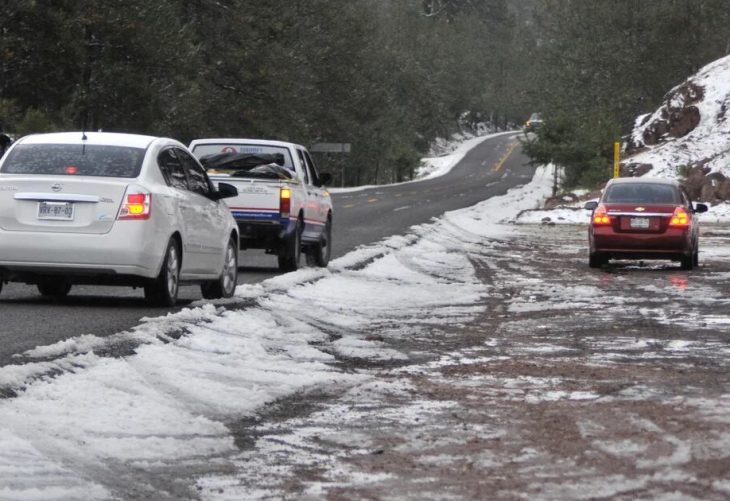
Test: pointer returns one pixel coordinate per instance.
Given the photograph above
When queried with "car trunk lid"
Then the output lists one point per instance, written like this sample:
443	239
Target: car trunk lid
640	218
69	205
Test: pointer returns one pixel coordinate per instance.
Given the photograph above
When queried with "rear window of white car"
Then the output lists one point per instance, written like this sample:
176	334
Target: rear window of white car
202	150
74	160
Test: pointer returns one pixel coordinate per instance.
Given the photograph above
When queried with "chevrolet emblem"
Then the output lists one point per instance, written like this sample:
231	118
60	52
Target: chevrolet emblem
640	209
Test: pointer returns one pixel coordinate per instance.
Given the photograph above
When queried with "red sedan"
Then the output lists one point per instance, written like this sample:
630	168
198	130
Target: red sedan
640	218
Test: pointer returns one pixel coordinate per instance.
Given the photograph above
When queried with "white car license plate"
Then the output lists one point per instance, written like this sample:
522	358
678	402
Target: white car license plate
59	211
640	223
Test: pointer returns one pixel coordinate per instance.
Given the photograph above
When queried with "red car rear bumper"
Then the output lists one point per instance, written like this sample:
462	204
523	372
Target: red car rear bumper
672	242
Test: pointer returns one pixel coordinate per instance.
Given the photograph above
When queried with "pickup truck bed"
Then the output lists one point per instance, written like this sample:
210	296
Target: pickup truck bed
282	205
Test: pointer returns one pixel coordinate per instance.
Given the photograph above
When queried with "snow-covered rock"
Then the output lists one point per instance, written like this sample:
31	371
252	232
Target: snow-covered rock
689	131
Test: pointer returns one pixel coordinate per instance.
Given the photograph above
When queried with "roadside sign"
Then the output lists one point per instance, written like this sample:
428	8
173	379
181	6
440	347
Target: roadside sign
616	159
330	148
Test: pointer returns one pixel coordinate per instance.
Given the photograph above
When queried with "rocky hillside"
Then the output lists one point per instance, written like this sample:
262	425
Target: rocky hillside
688	137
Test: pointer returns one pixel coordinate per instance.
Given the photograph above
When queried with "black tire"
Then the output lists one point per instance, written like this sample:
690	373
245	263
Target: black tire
54	287
696	257
225	286
596	260
162	291
291	251
687	261
319	254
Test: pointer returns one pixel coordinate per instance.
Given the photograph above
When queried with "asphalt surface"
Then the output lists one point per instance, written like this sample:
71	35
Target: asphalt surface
28	320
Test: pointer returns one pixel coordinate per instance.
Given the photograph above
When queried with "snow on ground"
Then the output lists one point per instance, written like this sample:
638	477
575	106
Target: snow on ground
710	140
85	422
576	214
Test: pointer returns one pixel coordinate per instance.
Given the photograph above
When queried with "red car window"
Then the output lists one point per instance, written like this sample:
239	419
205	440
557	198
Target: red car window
642	193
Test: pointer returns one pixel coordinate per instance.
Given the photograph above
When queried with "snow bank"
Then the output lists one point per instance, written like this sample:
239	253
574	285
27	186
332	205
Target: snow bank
83	423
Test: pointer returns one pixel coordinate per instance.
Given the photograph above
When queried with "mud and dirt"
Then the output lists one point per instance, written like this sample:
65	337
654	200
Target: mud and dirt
573	383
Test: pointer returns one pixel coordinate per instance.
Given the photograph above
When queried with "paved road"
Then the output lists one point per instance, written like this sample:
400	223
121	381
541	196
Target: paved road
361	217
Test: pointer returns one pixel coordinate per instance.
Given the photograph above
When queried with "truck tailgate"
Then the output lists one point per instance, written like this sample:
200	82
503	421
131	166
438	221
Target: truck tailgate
257	199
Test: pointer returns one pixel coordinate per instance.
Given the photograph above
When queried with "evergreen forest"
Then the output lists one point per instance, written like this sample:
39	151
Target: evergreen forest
386	76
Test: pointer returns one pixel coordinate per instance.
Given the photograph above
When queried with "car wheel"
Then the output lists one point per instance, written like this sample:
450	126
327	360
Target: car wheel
687	261
696	257
319	254
225	286
162	291
596	260
291	251
54	287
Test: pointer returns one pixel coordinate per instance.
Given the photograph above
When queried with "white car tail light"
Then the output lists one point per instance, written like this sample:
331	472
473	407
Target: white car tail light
136	205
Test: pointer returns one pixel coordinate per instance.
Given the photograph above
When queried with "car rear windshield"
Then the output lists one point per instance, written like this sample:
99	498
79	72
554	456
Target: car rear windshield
74	160
202	150
644	193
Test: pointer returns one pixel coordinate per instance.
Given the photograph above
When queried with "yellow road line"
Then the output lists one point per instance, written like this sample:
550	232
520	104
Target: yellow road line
372	200
348	206
501	162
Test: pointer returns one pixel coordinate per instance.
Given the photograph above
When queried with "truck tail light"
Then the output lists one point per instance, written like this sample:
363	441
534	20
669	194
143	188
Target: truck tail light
136	205
285	202
680	218
601	217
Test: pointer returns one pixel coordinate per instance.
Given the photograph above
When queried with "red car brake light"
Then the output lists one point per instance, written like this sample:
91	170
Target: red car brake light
680	218
136	206
601	217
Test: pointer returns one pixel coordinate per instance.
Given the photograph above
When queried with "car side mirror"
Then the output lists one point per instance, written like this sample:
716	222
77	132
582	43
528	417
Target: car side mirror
225	190
325	178
700	208
591	205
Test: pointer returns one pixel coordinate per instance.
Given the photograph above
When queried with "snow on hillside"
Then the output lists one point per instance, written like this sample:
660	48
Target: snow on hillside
690	130
707	144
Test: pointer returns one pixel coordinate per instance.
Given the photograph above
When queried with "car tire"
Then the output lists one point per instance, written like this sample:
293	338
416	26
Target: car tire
319	254
225	286
54	287
162	291
596	260
686	261
696	257
291	251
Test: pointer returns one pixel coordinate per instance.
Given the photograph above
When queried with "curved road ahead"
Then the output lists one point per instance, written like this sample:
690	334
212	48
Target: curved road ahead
361	217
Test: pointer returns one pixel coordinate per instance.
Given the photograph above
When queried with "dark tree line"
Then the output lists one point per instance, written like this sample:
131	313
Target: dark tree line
387	76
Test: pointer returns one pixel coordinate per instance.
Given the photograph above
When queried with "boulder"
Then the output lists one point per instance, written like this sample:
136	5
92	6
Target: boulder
635	170
677	117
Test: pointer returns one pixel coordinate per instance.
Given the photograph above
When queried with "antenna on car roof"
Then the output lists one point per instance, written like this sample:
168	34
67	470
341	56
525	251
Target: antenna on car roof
84	139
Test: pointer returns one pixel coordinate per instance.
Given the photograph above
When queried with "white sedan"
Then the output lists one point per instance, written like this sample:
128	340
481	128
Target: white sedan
114	209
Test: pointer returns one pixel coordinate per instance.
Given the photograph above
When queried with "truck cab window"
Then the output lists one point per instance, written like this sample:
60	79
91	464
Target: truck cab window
303	163
313	173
